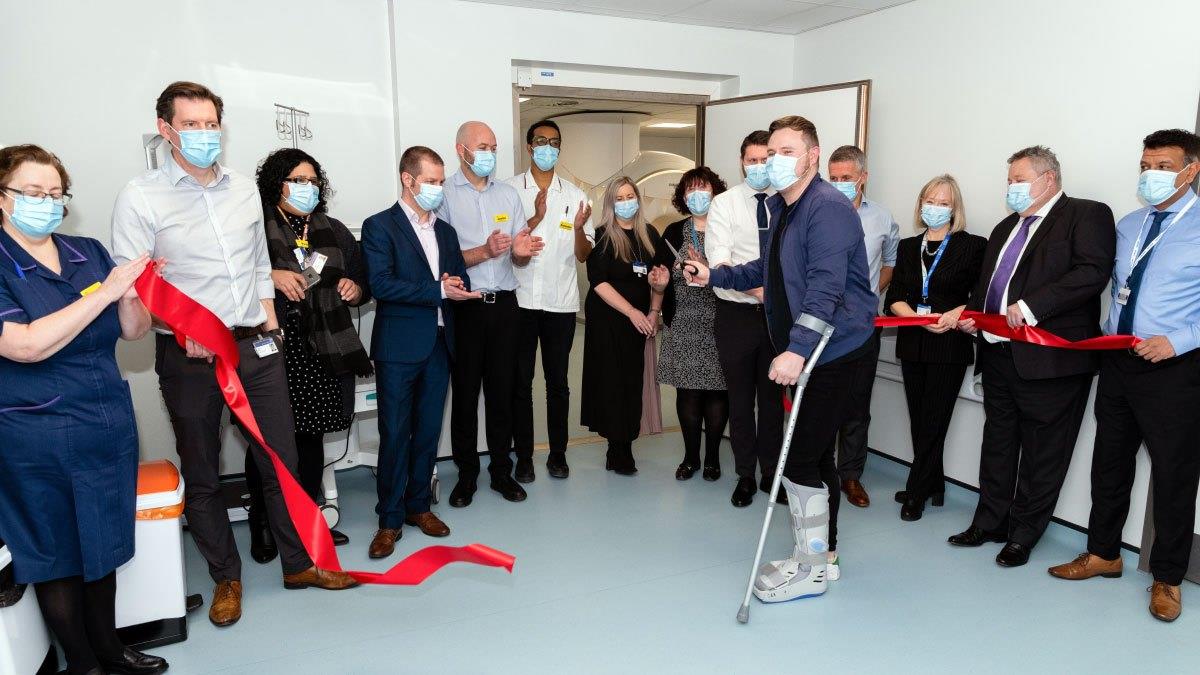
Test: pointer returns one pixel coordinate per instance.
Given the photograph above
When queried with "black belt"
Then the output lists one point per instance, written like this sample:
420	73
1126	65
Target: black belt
489	297
245	332
755	306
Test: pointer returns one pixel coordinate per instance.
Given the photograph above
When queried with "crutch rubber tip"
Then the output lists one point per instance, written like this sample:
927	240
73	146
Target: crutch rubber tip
744	614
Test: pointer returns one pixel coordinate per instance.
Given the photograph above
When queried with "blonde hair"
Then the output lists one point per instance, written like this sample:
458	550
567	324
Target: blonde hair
958	215
608	220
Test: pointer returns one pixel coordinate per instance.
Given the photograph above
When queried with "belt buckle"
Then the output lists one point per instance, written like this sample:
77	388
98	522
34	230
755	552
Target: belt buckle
488	297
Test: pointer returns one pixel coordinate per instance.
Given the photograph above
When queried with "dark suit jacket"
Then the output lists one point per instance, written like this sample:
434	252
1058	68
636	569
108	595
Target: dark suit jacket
950	286
407	296
1065	268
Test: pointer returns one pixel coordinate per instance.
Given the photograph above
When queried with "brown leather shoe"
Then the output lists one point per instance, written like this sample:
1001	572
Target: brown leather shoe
319	578
384	543
856	494
226	607
1086	566
429	523
1166	604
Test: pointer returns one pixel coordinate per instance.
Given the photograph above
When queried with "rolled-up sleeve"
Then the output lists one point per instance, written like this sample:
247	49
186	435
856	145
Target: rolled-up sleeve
132	225
891	243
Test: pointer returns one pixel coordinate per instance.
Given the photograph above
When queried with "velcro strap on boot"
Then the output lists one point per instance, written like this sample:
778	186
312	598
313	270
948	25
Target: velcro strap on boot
770	576
812	521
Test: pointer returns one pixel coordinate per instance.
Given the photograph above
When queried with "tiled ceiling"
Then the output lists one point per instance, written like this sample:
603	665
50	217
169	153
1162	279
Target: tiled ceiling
774	16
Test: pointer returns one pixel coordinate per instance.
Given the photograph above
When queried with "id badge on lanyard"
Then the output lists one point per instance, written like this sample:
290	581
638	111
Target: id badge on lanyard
924	308
640	268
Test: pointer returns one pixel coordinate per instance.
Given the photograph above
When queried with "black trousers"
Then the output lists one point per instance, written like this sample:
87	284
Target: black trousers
852	437
195	405
1028	440
745	352
823	409
931	390
485	354
556	333
310	468
1159	404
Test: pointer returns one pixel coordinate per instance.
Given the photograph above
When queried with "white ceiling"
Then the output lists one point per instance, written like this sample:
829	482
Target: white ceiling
774	16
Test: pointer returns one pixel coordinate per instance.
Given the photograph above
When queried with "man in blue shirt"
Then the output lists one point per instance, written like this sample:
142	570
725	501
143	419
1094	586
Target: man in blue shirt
814	272
491	225
1151	393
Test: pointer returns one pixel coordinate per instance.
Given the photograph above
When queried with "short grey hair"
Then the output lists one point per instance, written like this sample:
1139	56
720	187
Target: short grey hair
1042	158
850	153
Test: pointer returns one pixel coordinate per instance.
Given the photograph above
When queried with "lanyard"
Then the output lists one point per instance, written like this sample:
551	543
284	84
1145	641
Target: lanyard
937	258
1136	254
695	239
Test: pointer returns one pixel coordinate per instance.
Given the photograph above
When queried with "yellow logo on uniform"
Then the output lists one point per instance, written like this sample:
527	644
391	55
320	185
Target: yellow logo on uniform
90	289
566	225
501	218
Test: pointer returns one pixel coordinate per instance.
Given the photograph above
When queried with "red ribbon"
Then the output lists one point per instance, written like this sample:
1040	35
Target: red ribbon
187	318
997	324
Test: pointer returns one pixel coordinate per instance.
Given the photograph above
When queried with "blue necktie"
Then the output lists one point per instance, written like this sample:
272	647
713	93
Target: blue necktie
762	210
1125	321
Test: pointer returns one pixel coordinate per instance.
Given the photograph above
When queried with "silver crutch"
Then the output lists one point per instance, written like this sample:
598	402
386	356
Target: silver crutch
826	330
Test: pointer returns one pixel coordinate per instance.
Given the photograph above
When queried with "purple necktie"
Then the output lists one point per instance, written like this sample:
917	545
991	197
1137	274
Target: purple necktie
1004	271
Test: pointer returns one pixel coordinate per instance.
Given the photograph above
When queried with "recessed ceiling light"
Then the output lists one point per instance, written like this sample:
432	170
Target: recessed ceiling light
670	125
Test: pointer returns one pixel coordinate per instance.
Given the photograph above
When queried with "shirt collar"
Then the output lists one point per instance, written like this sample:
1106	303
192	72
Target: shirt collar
176	174
411	214
20	259
531	183
1042	212
459	178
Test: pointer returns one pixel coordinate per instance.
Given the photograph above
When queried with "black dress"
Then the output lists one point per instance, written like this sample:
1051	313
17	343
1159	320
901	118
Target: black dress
613	350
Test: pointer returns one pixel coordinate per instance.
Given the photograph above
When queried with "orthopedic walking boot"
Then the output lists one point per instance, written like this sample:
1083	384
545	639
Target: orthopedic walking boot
804	574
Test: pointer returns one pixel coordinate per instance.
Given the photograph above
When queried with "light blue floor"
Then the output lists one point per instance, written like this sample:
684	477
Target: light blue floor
645	575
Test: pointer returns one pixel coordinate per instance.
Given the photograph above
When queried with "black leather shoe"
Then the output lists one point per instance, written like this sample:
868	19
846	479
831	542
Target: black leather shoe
524	472
1013	555
133	662
743	494
463	492
912	510
556	465
508	488
685	471
712	472
262	541
339	539
938	499
973	536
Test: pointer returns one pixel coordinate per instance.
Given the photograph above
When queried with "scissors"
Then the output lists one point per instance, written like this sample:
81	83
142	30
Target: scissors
690	268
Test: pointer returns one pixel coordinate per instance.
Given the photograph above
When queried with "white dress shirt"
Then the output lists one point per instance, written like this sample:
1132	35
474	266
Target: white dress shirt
211	235
427	235
550	281
732	233
1033	227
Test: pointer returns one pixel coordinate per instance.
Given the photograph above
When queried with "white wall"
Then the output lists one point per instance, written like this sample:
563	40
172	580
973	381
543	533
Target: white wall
958	86
89	96
472	79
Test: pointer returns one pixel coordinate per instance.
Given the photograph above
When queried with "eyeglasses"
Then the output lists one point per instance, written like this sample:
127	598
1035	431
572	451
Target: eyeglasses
539	141
316	182
39	197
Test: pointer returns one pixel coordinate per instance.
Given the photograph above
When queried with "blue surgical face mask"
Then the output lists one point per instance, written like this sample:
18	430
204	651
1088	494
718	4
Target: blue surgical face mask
782	171
1020	196
935	217
199	147
33	219
848	188
1156	186
698	202
627	209
756	176
429	197
545	156
303	196
484	164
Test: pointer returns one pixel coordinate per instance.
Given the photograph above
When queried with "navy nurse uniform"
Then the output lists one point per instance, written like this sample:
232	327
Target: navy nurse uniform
68	440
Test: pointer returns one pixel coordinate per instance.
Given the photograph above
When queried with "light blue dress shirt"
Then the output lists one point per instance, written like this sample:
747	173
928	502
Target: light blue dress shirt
474	214
881	234
1168	301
